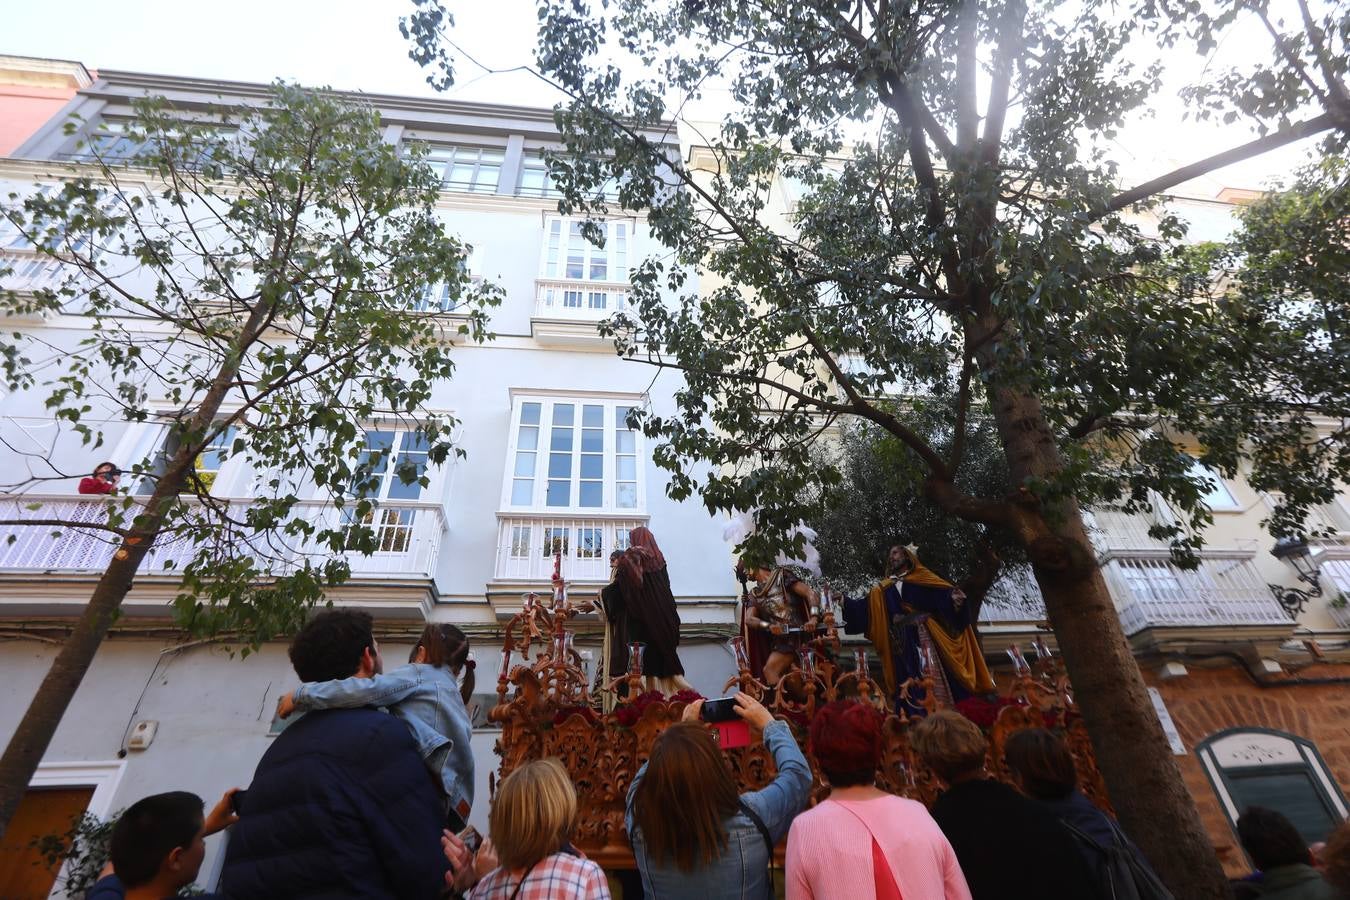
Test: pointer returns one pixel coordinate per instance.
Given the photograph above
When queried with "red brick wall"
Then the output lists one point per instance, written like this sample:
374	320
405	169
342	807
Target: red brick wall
1210	700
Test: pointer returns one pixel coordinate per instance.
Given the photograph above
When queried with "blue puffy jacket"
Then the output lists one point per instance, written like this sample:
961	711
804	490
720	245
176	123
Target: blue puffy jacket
341	806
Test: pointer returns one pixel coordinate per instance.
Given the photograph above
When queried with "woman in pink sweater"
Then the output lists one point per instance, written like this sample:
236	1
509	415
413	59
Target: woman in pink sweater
861	842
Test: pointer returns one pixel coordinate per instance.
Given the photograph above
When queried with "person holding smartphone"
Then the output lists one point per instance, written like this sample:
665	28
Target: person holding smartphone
693	835
103	481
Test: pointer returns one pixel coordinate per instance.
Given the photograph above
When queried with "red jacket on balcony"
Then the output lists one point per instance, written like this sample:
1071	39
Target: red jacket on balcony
92	485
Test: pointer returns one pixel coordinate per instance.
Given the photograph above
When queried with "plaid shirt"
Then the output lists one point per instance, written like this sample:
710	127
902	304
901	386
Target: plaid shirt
557	877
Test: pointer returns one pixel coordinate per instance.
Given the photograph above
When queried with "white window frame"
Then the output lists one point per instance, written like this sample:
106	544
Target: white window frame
611	404
1220	498
445	157
439	292
617	254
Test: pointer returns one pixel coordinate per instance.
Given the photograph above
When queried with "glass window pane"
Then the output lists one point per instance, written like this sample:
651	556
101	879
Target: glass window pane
400	491
592	465
575	267
621	414
626	442
461	174
522	492
561	440
592	416
559	493
529	414
529	439
525	464
563	414
625	496
627	468
591	493
488	177
599	269
560	465
592	440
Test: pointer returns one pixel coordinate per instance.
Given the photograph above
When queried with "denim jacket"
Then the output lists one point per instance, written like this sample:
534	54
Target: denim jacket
427	699
741	873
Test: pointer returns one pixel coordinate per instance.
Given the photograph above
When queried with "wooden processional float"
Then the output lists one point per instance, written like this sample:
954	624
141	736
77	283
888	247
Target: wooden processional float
546	708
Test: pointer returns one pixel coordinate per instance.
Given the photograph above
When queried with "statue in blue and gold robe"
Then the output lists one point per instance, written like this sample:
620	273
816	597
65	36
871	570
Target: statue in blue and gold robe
912	614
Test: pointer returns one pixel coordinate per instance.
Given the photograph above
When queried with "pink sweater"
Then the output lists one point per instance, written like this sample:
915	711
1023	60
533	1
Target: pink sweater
829	852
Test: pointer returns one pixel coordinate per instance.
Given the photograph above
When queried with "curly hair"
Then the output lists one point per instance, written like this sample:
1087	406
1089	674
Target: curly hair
846	741
330	645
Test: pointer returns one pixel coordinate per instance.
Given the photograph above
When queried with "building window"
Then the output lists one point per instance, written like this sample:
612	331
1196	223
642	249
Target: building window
473	169
386	454
1217	496
572	454
440	297
1260	767
534	178
1152	580
569	256
213	456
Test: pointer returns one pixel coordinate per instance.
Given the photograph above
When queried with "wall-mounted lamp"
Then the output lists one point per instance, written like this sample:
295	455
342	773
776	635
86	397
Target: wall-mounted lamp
1295	552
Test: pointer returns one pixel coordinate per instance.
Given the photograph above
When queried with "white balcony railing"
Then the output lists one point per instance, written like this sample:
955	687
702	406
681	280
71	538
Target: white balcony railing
583	301
408	539
526	546
1153	592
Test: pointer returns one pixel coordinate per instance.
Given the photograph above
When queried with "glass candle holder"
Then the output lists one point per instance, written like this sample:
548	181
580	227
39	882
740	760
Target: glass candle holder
860	662
738	651
635	657
1018	660
527	603
808	659
506	665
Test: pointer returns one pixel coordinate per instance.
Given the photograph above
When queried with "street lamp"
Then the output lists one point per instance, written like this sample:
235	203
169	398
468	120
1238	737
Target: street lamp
1295	552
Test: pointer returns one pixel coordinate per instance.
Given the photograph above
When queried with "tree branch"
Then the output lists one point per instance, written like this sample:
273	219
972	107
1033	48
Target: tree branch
1265	144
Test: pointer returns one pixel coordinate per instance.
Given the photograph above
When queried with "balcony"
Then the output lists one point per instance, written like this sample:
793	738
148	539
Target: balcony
526	546
408	539
1226	592
566	311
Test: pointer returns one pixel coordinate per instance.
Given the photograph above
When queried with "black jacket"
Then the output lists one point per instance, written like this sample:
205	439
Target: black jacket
1010	847
341	806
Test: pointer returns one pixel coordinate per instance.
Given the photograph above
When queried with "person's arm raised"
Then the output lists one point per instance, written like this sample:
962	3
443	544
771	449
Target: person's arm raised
786	795
349	693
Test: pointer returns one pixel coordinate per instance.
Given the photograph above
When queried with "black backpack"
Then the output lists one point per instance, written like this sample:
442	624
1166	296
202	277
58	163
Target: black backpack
1120	873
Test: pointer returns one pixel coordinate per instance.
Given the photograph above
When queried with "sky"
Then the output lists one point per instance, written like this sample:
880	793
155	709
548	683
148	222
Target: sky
356	45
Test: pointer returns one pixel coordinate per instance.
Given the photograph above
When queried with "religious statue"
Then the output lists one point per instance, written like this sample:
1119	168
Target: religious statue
781	611
916	619
649	611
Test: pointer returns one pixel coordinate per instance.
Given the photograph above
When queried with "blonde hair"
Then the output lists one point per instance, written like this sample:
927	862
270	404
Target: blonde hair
533	813
949	743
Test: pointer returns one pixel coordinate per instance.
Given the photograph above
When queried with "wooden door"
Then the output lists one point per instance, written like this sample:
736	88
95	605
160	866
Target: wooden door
24	874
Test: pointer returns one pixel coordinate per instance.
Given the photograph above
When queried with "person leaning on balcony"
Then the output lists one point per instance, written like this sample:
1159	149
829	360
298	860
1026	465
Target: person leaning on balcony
426	696
103	481
341	804
692	835
1279	853
529	854
994	830
862	841
1043	768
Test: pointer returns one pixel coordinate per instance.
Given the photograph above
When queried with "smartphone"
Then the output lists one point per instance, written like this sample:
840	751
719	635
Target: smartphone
471	838
237	802
720	709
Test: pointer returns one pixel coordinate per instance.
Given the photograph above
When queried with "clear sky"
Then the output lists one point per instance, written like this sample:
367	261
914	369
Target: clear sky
356	45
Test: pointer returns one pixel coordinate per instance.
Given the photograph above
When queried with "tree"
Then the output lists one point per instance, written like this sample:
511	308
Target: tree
960	230
259	271
879	502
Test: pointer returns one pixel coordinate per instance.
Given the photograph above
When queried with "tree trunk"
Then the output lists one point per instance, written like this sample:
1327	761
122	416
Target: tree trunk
29	743
1132	752
25	750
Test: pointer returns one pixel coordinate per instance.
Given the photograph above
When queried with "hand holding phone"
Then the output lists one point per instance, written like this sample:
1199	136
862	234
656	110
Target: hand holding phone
729	729
471	838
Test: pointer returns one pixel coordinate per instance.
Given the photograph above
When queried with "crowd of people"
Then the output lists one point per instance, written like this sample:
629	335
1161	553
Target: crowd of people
350	801
368	794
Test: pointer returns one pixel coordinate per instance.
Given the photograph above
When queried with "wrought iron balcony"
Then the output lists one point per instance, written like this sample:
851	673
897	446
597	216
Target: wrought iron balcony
408	537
